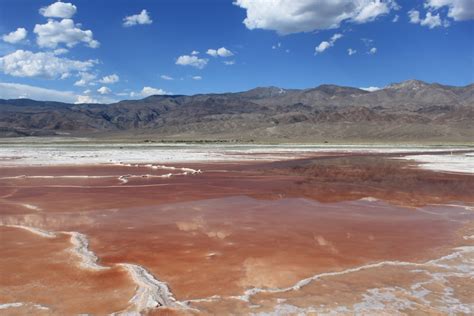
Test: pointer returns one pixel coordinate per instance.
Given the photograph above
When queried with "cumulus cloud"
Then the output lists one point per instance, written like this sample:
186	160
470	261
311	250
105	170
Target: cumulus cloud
221	52
15	36
372	51
326	44
59	9
351	51
53	33
290	16
86	78
23	63
370	89
197	77
141	18
322	46
81	99
104	90
229	62
166	77
110	79
194	61
395	18
194	52
148	91
430	20
371	10
458	10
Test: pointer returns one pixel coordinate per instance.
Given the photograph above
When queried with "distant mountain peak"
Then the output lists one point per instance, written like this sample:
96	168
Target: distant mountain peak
409	84
264	92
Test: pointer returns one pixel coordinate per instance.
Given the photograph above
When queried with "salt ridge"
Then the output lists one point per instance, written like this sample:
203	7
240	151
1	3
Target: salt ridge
81	249
152	293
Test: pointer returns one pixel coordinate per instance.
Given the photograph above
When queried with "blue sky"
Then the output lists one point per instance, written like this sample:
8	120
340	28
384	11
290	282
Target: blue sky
102	51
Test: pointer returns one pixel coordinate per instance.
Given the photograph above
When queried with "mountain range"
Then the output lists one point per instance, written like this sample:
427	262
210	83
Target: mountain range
410	111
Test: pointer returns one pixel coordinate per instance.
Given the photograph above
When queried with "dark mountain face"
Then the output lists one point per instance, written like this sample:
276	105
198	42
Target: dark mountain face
407	111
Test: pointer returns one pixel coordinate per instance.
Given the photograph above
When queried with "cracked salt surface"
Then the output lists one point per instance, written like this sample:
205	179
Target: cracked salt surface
457	163
123	179
21	304
397	300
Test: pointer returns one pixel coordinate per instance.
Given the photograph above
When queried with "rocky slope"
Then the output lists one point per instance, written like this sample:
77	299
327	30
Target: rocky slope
407	111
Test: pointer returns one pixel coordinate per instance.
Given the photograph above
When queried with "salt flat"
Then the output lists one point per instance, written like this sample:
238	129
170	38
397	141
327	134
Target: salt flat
45	153
246	229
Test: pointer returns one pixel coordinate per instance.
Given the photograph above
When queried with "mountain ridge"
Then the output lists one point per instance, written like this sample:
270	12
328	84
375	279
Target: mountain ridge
412	110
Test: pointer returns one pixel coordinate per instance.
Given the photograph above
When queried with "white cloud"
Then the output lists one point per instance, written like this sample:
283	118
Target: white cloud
86	79
370	89
59	9
80	99
371	10
16	91
221	52
322	46
335	37
60	51
197	78
110	79
372	51
290	16
351	51
395	18
212	52
166	77
278	45
229	62
194	52
80	83
23	63
326	44
458	10
430	20
19	91
194	61
104	90
66	32
141	18
15	36
148	91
